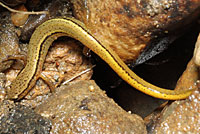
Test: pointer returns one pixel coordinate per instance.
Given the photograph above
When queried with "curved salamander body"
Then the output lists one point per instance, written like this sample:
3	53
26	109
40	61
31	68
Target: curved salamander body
49	31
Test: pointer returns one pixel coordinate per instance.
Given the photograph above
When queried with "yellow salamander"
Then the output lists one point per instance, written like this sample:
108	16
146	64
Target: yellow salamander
49	31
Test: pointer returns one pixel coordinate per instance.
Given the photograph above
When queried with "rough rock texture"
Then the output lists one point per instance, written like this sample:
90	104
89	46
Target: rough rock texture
18	119
83	108
19	19
9	42
2	86
128	26
181	117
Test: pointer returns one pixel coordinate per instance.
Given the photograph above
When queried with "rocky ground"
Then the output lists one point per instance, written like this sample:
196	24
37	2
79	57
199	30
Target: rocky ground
104	104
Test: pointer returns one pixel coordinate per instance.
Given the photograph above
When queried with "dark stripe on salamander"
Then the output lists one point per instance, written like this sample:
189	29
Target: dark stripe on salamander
40	51
83	44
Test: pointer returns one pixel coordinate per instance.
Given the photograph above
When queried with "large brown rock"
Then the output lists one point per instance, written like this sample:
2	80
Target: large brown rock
83	107
128	26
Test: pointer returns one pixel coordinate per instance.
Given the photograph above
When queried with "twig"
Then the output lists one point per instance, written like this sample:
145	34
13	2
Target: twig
67	81
24	12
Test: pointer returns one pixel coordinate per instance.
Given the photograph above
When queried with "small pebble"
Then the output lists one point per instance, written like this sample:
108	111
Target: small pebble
19	19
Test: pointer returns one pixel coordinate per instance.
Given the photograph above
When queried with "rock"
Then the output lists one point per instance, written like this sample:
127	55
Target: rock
180	117
2	86
19	19
56	8
13	3
18	119
82	107
64	60
9	42
128	26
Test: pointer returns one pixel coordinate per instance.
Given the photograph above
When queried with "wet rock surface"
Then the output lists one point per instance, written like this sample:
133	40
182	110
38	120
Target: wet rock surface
2	86
19	19
83	108
128	26
180	117
9	42
18	119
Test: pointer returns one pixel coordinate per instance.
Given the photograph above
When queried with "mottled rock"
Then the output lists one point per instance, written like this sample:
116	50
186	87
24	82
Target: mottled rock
180	117
2	86
19	19
83	108
18	119
9	42
128	26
